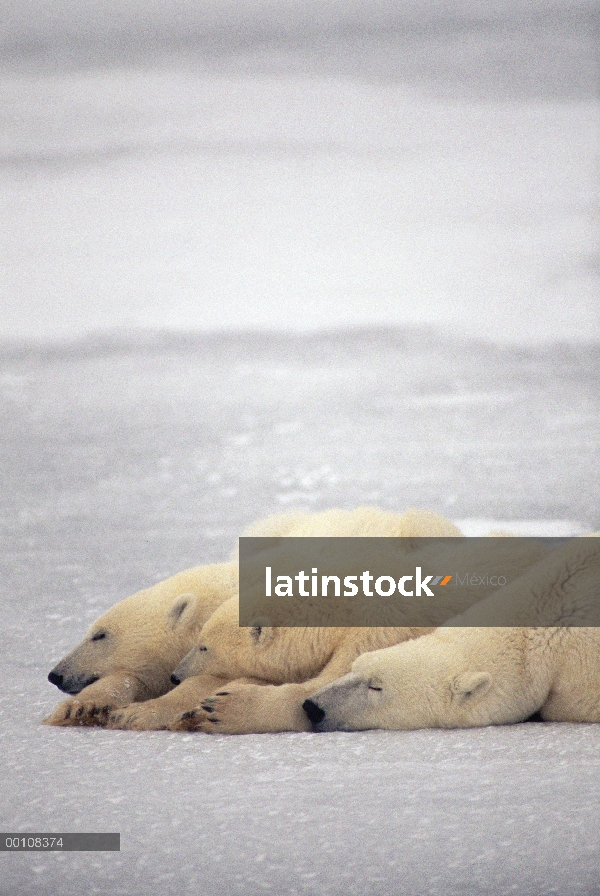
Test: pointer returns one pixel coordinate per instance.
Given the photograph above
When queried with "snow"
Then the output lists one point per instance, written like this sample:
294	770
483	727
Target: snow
503	810
129	459
387	168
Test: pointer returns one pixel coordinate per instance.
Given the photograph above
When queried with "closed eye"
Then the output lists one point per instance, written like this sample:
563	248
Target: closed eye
98	636
375	687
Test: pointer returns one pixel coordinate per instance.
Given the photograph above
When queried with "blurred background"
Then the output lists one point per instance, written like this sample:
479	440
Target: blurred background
299	165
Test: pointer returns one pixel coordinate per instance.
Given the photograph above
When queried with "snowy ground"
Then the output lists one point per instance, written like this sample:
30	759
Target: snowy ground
406	163
126	461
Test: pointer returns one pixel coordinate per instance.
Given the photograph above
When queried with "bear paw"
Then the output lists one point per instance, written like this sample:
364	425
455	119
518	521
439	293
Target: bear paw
242	708
246	708
79	712
205	718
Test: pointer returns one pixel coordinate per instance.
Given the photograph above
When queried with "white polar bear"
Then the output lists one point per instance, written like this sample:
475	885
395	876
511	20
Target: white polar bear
472	675
128	654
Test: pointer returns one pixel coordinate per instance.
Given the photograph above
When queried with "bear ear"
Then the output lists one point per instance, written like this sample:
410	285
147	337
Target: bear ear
182	610
261	632
471	684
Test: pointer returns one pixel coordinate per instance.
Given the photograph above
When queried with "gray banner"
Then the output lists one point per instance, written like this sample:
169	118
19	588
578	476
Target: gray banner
419	582
60	842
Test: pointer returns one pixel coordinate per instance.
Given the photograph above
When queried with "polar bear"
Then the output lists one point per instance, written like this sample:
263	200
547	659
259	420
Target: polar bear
362	521
129	653
298	661
472	675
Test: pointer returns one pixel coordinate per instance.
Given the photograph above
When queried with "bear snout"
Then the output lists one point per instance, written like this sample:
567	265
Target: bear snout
70	684
56	678
175	680
314	712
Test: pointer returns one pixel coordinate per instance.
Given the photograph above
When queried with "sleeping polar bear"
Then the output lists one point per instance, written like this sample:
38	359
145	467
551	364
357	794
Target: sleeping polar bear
472	675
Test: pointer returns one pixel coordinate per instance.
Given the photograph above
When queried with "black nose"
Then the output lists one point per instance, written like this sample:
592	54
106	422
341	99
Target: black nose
315	713
55	678
174	679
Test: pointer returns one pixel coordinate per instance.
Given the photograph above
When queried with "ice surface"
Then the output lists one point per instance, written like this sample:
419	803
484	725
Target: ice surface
126	460
300	167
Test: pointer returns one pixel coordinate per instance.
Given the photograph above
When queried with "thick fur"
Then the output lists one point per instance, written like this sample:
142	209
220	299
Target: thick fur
471	676
363	521
298	661
128	654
